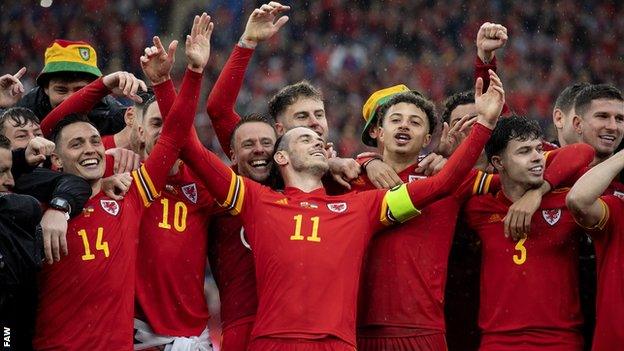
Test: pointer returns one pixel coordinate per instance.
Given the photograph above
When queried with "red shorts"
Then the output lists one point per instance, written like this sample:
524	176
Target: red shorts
296	344
236	337
532	341
431	342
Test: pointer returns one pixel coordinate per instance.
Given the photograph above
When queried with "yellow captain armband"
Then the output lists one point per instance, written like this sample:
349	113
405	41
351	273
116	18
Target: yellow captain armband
233	203
397	206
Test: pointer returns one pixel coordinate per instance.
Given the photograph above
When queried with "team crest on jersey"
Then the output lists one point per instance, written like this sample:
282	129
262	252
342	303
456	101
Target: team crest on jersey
618	194
338	207
85	53
110	206
552	216
413	177
190	191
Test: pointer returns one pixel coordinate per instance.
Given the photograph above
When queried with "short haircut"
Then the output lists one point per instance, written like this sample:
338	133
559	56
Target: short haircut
20	116
511	128
252	117
565	100
148	98
69	119
457	99
411	98
594	92
290	94
65	77
5	143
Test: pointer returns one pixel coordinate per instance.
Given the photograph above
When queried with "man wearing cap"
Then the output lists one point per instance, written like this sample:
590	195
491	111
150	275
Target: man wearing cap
70	66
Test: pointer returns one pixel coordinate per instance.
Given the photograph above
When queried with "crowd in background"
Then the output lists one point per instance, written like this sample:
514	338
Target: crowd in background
348	48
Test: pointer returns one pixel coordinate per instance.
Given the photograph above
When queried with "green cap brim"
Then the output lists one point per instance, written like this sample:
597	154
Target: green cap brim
64	66
366	138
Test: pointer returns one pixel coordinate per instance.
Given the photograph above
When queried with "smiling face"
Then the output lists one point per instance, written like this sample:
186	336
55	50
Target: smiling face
602	126
304	153
404	129
79	151
522	161
252	148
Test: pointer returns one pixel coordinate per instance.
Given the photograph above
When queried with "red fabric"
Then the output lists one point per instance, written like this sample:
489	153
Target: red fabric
538	297
83	102
431	342
170	274
609	244
87	304
237	337
233	269
528	340
282	344
109	142
481	70
564	166
222	98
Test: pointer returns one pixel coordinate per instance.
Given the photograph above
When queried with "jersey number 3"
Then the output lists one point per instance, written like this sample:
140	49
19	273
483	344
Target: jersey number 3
315	226
520	257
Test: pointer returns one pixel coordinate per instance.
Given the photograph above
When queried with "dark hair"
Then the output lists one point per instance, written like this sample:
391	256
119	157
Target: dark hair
148	98
69	119
290	94
5	143
65	77
410	98
509	128
565	100
252	117
20	116
457	99
595	92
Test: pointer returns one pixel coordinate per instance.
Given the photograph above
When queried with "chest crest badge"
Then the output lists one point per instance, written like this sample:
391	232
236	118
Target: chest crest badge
190	191
412	177
338	207
110	206
552	216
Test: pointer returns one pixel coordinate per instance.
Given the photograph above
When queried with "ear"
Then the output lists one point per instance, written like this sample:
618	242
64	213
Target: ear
373	131
577	122
129	116
56	161
141	134
281	158
497	163
279	129
233	156
558	118
427	140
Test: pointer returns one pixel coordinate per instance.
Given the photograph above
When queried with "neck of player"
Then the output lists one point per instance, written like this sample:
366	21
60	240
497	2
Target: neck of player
512	189
400	161
96	187
303	181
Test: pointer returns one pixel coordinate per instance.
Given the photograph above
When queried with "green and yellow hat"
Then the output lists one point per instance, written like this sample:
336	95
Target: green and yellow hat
371	106
69	56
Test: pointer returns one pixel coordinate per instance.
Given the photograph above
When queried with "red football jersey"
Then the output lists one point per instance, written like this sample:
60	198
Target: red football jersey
232	266
404	274
529	288
608	239
86	301
172	245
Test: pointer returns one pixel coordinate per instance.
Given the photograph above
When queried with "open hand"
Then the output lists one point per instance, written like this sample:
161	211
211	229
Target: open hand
262	25
489	104
198	43
157	63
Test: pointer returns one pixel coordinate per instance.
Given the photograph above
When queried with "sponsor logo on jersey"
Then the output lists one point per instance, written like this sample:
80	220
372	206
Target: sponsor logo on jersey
85	53
283	201
495	218
110	206
552	216
338	207
190	191
306	204
413	177
618	194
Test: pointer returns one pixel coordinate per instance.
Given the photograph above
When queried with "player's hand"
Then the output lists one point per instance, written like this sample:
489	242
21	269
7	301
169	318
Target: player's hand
11	89
489	104
453	136
124	84
381	175
431	165
329	150
518	218
198	43
54	228
262	25
37	150
116	186
125	160
344	170
491	37
157	62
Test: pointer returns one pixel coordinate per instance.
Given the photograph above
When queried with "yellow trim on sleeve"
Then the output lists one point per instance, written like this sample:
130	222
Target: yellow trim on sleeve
603	220
232	191
137	181
477	182
150	186
383	214
238	206
486	188
400	204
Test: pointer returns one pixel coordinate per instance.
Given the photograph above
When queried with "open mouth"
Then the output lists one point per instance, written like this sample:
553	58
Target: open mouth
608	139
319	153
259	164
537	170
90	163
402	138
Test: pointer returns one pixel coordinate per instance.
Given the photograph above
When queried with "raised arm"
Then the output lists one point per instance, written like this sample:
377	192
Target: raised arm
584	198
490	37
263	23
